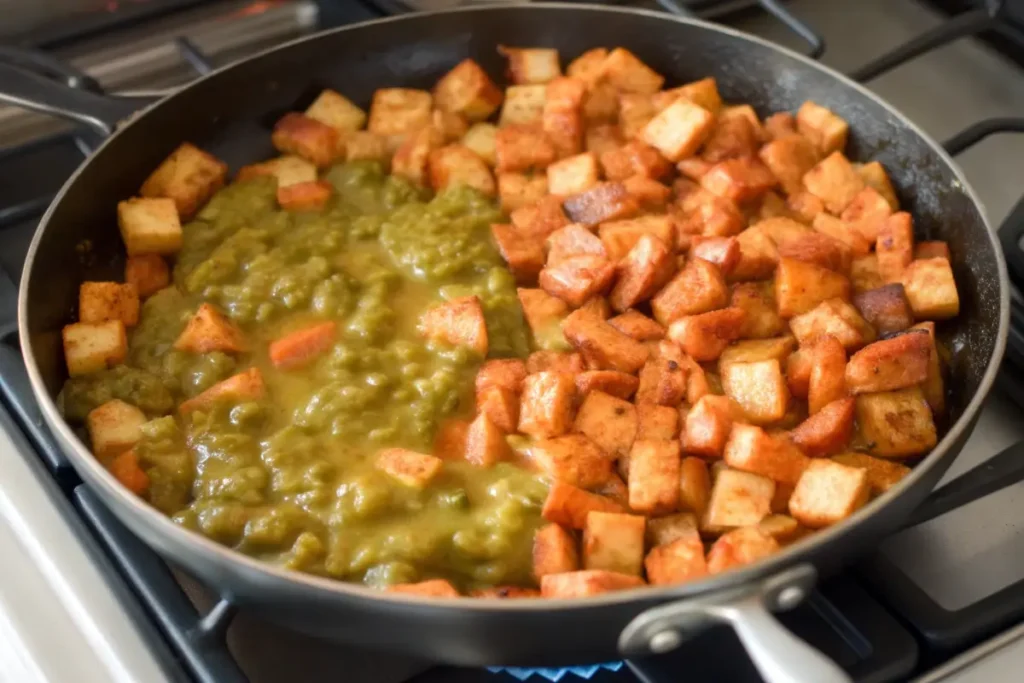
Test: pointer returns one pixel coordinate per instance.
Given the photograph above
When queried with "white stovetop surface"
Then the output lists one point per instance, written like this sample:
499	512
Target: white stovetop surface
63	616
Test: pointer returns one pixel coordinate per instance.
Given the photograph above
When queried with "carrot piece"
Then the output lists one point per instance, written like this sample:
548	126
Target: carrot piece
300	347
126	470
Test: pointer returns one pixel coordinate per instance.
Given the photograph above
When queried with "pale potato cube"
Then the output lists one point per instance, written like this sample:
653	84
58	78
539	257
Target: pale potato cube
91	347
834	317
737	499
519	189
933	387
782	528
614	542
363	145
864	273
758	388
895	246
625	71
573	175
751	449
707	426
665	530
114	428
481	138
189	177
740	547
896	424
102	301
149	226
287	170
755	350
822	127
654	477
931	289
827	493
531	64
397	112
876	177
882	474
524	104
409	467
679	129
588	66
337	111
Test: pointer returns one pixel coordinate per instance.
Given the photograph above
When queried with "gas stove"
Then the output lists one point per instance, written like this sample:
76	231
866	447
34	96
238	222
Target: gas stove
81	599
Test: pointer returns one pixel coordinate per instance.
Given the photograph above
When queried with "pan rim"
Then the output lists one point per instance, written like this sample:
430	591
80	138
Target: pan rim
97	477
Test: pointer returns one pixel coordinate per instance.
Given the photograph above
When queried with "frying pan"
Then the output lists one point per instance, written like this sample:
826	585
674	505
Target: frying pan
230	113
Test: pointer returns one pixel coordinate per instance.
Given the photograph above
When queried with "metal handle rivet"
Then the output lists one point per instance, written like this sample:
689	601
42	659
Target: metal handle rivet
664	641
789	597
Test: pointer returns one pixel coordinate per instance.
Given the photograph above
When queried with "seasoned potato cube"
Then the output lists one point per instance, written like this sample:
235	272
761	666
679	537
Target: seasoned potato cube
457	165
740	547
886	308
547	404
637	325
577	279
308	138
821	126
287	170
411	157
804	206
662	382
758	257
531	65
896	424
434	588
704	213
540	219
149	226
671	528
758	388
827	431
409	467
449	125
895	246
585	583
501	406
778	349
114	427
574	459
554	551
485	441
789	158
772	205
739	180
932	249
311	196
779	125
482	138
188	177
737	499
542	311
834	181
647	266
459	322
603	137
611	382
619	237
867	213
798	372
562	118
678	130
634	158
521	148
698	288
864	273
735	135
573	175
703	92
245	386
518	189
705	336
783	528
827	493
364	145
751	449
572	240
210	330
603	202
524	105
676	562
654	477
780	501
148	273
614	542
102	301
465	90
890	364
609	422
876	177
569	506
933	388
397	112
507	373
931	289
554	361
91	347
846	234
882	474
819	249
337	111
588	66
450	439
694	485
650	194
799	286
758	301
524	255
826	381
603	346
834	317
622	69
634	112
707	426
656	422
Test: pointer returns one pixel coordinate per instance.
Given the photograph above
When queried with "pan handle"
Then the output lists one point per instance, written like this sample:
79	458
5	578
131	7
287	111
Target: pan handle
778	655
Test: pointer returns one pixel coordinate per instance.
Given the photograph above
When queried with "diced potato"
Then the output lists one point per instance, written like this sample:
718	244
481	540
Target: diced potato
705	336
867	213
457	165
601	105
501	406
637	325
758	301
895	246
572	240
604	137
520	148
524	105
337	111
827	379
896	424
210	330
609	422
149	226
671	528
518	189
751	449
704	213
799	286
585	583
542	311
819	249
531	65
412	155
783	528
740	547
540	219
485	441
614	542
759	257
188	177
505	593
577	279
619	237
562	117
367	146
656	422
433	588
634	158
698	288
459	322
822	127
804	206
662	382
736	135
114	427
627	73
738	499
703	92
603	346
890	364
573	175
287	170
932	249
789	158
739	180
931	289
91	347
588	67
554	552
634	113
654	477
611	382
245	386
780	501
482	139
778	349
677	562
311	196
882	474
678	130
554	361
148	273
847	234
102	301
798	372
694	485
647	266
886	308
834	317
569	506
450	439
779	125
724	252
507	373
827	493
604	202
316	142
772	205
546	407
864	273
707	426
834	181
875	177
827	431
524	255
397	112
933	386
758	388
450	125
409	467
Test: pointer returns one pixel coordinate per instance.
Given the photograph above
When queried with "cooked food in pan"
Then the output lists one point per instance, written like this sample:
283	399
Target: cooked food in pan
581	334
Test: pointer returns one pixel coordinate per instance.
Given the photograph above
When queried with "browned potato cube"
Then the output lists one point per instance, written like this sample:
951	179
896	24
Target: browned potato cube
895	246
789	158
656	422
896	424
678	130
311	196
585	583
755	350
524	255
114	427
736	135
933	387
798	372
413	153
758	257
554	361
931	289
779	125
619	237
554	551
540	219
397	112
546	406
780	501
890	364
662	382
846	234
647	266
609	422
703	92
409	467
459	322
654	477
465	90
783	528
932	249
147	272
694	485
739	180
758	301
531	64
827	431
637	325
751	449
827	493
337	111
799	286
434	588
91	347
317	142
588	67
562	117
505	593
149	226
286	170
614	542
740	547
577	279
210	330
627	73
635	111
677	562
569	506
611	382
507	373
876	177
542	311
247	385
188	177
482	139
834	317
867	213
820	249
827	379
603	202
671	528
758	388
501	406
737	499
524	105
864	273
724	252
703	213
364	145
705	336
450	439
886	308
574	459
485	440
102	301
882	474
457	165
634	158
520	148
602	137
834	181
603	346
821	126
698	288
573	175
772	205
707	426
804	206
572	240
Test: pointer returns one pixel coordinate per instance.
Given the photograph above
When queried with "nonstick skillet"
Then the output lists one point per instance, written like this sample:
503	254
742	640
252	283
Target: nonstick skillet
230	112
